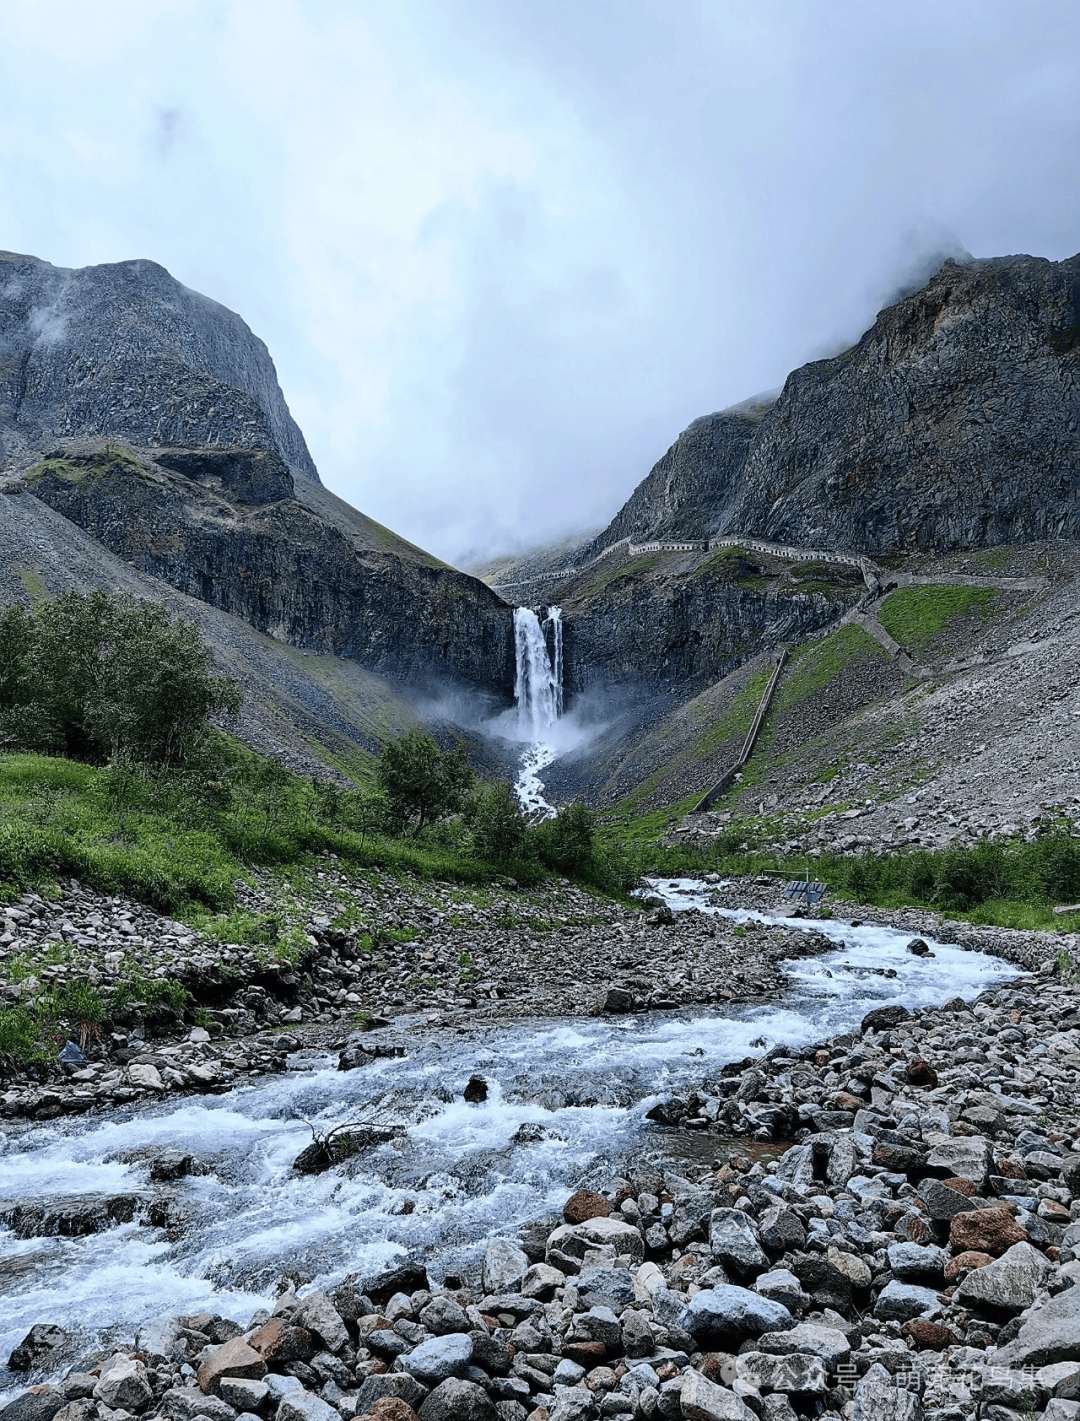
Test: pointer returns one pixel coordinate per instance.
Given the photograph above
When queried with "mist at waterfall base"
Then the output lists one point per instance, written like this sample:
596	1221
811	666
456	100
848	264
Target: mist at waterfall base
566	1105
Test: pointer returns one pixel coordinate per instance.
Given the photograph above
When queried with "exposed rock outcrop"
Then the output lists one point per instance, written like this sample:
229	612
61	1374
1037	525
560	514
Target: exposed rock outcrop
952	423
125	350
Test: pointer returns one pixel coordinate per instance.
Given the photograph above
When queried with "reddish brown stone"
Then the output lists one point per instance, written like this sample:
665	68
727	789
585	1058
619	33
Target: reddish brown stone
985	1231
844	1101
232	1359
585	1354
921	1073
1051	1209
390	1408
667	1371
585	1205
929	1334
961	1262
719	1367
961	1186
276	1341
1010	1169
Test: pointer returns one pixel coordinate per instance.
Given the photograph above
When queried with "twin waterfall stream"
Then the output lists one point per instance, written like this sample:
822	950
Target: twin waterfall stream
538	692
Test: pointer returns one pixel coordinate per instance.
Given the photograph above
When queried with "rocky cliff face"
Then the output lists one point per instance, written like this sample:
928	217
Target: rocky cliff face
951	424
686	493
124	350
165	436
224	528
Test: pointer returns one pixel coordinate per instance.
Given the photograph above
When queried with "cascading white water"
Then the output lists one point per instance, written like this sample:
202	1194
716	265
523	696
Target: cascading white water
538	684
539	695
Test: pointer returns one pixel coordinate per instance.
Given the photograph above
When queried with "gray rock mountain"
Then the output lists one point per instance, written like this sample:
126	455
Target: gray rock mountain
952	423
126	351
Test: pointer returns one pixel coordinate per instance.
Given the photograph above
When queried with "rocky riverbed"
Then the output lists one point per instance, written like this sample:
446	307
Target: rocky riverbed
913	1253
878	1219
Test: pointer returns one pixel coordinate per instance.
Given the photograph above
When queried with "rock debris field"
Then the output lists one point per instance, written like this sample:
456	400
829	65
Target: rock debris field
880	1226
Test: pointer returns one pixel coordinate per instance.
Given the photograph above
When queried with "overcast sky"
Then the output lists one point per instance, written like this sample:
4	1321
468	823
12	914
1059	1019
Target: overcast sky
502	251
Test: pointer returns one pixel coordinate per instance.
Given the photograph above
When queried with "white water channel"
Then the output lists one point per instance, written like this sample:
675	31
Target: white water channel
462	1171
538	696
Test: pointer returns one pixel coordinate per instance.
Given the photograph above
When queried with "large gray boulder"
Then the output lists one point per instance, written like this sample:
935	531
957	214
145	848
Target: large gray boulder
389	1385
440	1357
878	1398
962	1157
455	1400
812	1338
41	1404
1050	1334
702	1400
322	1319
901	1302
734	1243
1009	1284
504	1267
730	1314
797	1373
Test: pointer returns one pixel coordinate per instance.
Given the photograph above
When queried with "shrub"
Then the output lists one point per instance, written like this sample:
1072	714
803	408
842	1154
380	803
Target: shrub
421	783
96	677
499	828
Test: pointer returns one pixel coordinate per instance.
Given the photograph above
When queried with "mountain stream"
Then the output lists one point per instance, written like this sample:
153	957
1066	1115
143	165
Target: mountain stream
566	1105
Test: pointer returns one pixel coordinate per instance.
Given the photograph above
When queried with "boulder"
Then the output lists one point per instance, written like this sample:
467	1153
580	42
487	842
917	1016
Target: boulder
38	1347
570	1241
157	1338
185	1403
540	1282
619	1001
921	1073
985	1231
900	1302
455	1400
278	1342
605	1287
702	1400
915	1260
585	1205
812	1338
443	1315
504	1267
318	1315
244	1396
234	1358
884	1018
942	1202
796	1373
439	1358
1050	1334
40	1403
304	1405
929	1336
962	1156
781	1230
734	1243
1009	1285
962	1262
145	1076
782	1286
123	1386
878	1398
391	1408
732	1314
389	1385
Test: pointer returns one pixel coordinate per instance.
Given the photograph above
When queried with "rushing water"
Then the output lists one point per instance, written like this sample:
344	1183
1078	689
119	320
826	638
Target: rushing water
538	694
462	1174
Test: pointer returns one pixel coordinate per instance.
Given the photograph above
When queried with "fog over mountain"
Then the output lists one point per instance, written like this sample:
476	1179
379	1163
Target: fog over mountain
504	253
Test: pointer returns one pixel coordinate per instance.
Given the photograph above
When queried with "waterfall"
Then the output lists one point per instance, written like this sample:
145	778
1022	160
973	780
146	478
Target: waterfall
538	682
539	695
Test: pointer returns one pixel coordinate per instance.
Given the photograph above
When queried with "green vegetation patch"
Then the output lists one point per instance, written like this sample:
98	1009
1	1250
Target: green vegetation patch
632	568
77	468
736	720
914	616
811	668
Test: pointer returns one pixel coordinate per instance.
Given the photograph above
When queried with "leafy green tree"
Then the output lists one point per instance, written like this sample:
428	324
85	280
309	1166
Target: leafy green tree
422	784
499	828
93	677
565	843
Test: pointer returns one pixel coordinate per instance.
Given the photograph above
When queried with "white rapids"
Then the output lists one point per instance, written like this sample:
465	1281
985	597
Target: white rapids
462	1174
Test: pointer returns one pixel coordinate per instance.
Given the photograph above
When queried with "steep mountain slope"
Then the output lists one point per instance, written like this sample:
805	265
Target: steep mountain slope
687	492
150	418
125	350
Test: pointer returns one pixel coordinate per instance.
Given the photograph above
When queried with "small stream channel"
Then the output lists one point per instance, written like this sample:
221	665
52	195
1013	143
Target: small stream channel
566	1104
